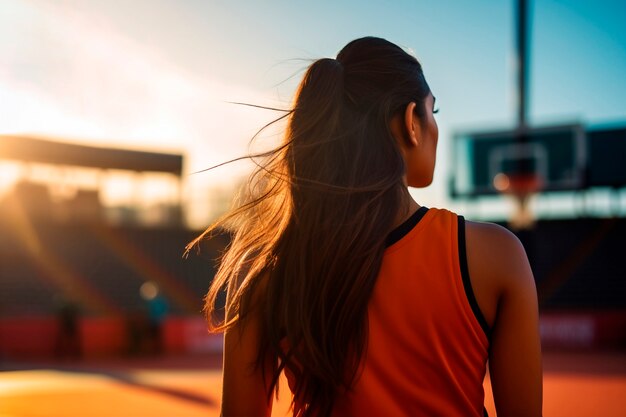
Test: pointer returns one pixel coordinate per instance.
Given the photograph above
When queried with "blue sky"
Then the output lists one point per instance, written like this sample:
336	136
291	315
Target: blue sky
156	74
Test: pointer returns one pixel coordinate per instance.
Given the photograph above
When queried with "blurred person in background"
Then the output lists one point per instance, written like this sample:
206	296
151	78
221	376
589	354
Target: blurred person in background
67	345
157	310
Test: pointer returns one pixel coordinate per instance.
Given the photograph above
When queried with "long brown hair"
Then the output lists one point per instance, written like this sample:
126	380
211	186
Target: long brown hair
309	240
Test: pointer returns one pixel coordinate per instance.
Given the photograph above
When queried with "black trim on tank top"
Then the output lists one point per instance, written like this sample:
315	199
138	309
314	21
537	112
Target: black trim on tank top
408	225
467	283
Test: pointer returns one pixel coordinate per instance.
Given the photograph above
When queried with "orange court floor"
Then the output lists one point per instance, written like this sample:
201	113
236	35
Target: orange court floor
575	385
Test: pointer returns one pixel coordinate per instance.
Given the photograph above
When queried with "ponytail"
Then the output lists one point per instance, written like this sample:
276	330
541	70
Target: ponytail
320	96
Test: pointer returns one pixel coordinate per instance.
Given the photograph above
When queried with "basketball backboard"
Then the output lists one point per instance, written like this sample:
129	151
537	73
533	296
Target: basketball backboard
553	156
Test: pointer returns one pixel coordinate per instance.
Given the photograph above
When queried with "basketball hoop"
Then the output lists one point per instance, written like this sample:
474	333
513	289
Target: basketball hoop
521	186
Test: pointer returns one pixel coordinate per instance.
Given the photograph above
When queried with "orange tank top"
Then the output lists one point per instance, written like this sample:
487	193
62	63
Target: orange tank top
428	341
428	345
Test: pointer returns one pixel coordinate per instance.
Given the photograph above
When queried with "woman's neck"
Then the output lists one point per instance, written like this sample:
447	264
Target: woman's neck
408	206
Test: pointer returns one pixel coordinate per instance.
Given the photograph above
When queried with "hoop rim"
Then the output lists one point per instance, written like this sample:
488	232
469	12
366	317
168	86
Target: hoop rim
518	184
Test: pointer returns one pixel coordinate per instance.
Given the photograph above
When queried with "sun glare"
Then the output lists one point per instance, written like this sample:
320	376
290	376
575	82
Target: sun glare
102	87
9	175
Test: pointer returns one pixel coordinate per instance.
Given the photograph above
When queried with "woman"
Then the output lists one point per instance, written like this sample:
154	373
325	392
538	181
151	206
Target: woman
370	303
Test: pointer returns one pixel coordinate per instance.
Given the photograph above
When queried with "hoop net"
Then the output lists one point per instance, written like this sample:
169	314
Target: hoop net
521	186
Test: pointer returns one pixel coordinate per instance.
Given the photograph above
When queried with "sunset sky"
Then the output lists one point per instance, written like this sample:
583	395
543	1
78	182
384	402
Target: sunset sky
157	75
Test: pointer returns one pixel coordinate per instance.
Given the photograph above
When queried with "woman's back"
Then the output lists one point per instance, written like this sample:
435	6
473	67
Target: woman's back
430	324
427	351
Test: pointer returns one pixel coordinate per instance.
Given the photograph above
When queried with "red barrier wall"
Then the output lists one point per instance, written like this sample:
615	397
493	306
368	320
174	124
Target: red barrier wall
103	336
26	337
39	337
174	335
583	330
189	335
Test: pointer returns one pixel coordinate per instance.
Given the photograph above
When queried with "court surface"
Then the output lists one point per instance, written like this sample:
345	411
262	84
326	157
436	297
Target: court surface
575	384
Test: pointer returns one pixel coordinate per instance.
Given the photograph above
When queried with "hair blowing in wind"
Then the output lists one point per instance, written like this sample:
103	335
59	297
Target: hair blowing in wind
308	240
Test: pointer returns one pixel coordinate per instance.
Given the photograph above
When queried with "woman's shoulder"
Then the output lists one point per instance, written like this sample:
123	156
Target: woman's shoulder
493	243
492	233
491	237
497	264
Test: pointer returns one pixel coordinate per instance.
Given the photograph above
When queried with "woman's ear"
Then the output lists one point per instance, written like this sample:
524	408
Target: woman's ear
411	124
